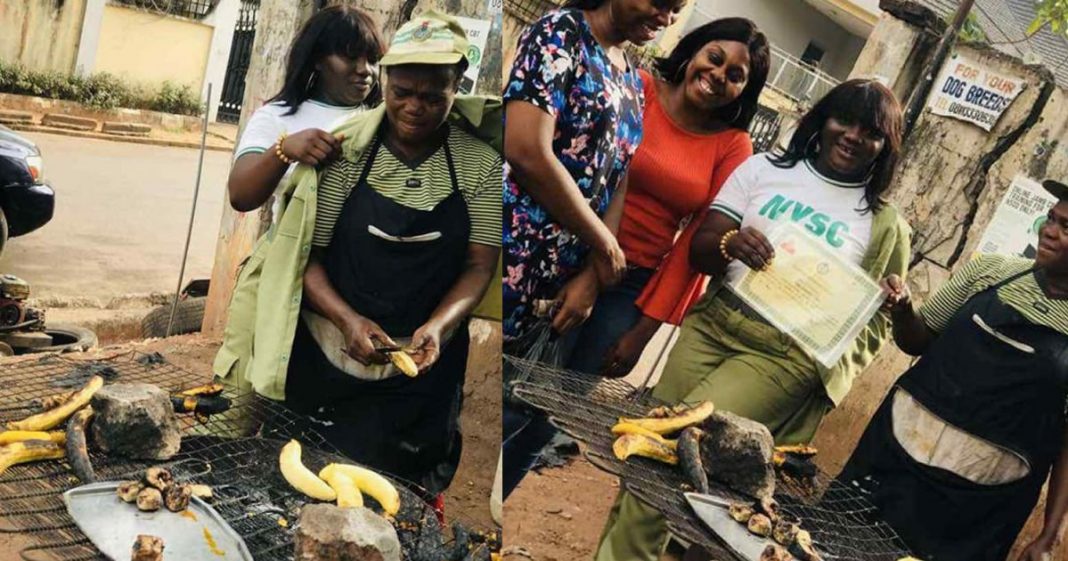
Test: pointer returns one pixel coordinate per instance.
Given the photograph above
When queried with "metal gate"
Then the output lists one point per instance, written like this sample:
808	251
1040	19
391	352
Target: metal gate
233	91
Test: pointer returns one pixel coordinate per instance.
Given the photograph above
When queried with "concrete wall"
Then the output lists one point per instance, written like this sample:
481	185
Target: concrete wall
149	48
790	25
43	35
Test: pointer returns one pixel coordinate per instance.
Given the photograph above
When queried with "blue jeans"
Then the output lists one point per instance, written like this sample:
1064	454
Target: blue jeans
526	432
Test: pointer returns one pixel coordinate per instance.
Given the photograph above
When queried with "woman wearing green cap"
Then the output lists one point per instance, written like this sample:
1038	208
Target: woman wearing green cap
400	237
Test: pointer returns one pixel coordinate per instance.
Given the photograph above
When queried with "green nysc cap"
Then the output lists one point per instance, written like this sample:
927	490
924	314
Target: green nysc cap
429	38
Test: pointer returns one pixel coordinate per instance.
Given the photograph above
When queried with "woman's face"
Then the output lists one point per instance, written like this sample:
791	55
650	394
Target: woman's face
641	20
717	74
849	148
418	98
343	80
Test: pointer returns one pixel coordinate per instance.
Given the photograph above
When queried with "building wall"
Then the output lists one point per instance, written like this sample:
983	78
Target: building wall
149	48
42	35
790	25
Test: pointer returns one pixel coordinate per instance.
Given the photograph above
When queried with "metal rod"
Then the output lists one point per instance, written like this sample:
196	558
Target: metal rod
192	214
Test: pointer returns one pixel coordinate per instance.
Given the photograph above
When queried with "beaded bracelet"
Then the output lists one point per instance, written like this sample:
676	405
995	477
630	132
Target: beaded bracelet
278	150
723	244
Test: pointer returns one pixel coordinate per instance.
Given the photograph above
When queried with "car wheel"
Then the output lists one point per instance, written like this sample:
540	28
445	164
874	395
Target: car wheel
187	318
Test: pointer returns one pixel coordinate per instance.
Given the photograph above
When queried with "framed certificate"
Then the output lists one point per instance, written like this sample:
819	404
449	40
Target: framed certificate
811	294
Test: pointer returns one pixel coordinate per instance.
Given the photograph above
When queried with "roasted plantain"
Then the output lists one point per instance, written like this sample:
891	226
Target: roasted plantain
77	447
301	478
205	390
689	452
55	417
28	451
10	436
373	485
200	404
676	422
128	490
639	445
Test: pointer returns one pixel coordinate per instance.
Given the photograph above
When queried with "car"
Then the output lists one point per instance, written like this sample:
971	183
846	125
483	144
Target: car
27	201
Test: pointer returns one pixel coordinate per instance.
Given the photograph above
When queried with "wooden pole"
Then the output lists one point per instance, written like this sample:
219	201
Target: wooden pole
930	74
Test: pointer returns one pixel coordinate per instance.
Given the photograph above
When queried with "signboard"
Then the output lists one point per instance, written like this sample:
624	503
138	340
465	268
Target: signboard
1013	230
970	93
477	33
495	7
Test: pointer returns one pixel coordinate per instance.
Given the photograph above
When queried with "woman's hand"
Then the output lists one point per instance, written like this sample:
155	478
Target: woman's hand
624	354
361	334
426	346
576	300
751	248
1038	550
312	146
898	295
609	262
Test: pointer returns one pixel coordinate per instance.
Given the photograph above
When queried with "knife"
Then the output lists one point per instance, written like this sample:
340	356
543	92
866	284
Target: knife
712	511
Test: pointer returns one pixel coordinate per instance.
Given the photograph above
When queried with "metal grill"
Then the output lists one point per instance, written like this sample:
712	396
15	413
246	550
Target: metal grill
193	9
842	521
235	452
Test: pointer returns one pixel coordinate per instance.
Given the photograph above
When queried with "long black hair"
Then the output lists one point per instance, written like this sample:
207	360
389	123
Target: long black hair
740	112
337	30
866	102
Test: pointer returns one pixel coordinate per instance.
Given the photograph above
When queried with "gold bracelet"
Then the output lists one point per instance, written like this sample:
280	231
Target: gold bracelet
726	237
278	150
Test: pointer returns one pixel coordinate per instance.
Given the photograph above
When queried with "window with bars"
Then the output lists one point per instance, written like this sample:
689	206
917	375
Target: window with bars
193	9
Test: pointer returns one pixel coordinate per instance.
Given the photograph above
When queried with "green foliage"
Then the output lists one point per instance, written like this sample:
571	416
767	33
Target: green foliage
1053	13
100	90
971	31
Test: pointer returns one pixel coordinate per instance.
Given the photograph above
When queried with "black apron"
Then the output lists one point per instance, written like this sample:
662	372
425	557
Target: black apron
408	427
992	390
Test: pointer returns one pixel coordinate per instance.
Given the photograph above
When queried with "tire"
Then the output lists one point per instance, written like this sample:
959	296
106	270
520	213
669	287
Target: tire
67	339
187	319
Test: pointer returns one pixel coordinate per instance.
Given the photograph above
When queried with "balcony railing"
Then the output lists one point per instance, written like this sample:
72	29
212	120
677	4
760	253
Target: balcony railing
798	80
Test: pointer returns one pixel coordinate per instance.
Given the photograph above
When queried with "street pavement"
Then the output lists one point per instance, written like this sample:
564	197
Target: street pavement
122	213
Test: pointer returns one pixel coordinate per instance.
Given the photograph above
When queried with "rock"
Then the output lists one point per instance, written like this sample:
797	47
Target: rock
136	421
329	533
737	452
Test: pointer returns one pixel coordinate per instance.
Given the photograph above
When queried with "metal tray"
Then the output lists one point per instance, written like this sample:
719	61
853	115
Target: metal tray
197	534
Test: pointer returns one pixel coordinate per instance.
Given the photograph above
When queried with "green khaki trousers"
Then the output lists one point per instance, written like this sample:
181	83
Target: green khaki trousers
743	366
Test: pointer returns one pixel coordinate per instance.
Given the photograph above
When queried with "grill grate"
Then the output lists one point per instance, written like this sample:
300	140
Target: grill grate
843	523
235	452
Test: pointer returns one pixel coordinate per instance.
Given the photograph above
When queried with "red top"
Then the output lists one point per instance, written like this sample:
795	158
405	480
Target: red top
673	177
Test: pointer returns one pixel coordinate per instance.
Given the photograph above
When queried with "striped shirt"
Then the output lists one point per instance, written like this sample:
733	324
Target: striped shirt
478	173
1023	294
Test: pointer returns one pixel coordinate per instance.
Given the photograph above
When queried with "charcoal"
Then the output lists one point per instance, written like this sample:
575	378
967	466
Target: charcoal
136	421
329	533
150	360
737	452
80	374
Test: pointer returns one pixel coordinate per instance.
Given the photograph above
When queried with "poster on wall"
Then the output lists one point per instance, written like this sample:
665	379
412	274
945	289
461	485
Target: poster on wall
1014	228
477	33
968	92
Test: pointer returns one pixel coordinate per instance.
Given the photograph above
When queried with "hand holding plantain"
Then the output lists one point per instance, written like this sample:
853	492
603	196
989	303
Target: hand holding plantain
361	334
426	345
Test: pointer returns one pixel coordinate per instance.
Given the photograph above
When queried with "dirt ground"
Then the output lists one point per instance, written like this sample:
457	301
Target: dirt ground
468	497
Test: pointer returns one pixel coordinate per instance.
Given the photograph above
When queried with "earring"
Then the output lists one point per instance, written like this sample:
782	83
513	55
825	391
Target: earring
681	72
311	80
737	114
808	145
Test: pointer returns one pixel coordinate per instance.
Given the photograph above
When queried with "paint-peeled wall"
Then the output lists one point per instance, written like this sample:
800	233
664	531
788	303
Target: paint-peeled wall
150	48
41	35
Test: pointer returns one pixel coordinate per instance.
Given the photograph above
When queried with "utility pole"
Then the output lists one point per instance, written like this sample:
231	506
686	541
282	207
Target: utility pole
934	68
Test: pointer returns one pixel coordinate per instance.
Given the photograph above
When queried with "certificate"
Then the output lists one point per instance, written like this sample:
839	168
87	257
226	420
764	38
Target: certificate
811	294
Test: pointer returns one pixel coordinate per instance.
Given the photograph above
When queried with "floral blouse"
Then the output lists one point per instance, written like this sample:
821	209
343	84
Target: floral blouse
560	67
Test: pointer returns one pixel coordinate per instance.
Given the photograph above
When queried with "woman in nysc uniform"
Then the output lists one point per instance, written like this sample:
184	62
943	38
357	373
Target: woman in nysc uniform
956	456
406	241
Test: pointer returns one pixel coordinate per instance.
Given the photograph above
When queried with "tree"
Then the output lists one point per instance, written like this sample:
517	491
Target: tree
1053	13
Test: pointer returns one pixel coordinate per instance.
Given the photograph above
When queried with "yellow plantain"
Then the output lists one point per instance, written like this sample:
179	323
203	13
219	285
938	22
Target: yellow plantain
674	423
348	495
29	451
301	478
56	417
631	428
639	445
370	483
405	363
12	436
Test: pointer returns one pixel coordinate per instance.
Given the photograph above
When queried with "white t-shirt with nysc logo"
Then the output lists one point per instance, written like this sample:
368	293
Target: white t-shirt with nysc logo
760	195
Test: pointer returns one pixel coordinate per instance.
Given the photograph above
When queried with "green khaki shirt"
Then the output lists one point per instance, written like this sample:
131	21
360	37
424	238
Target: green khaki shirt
265	306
